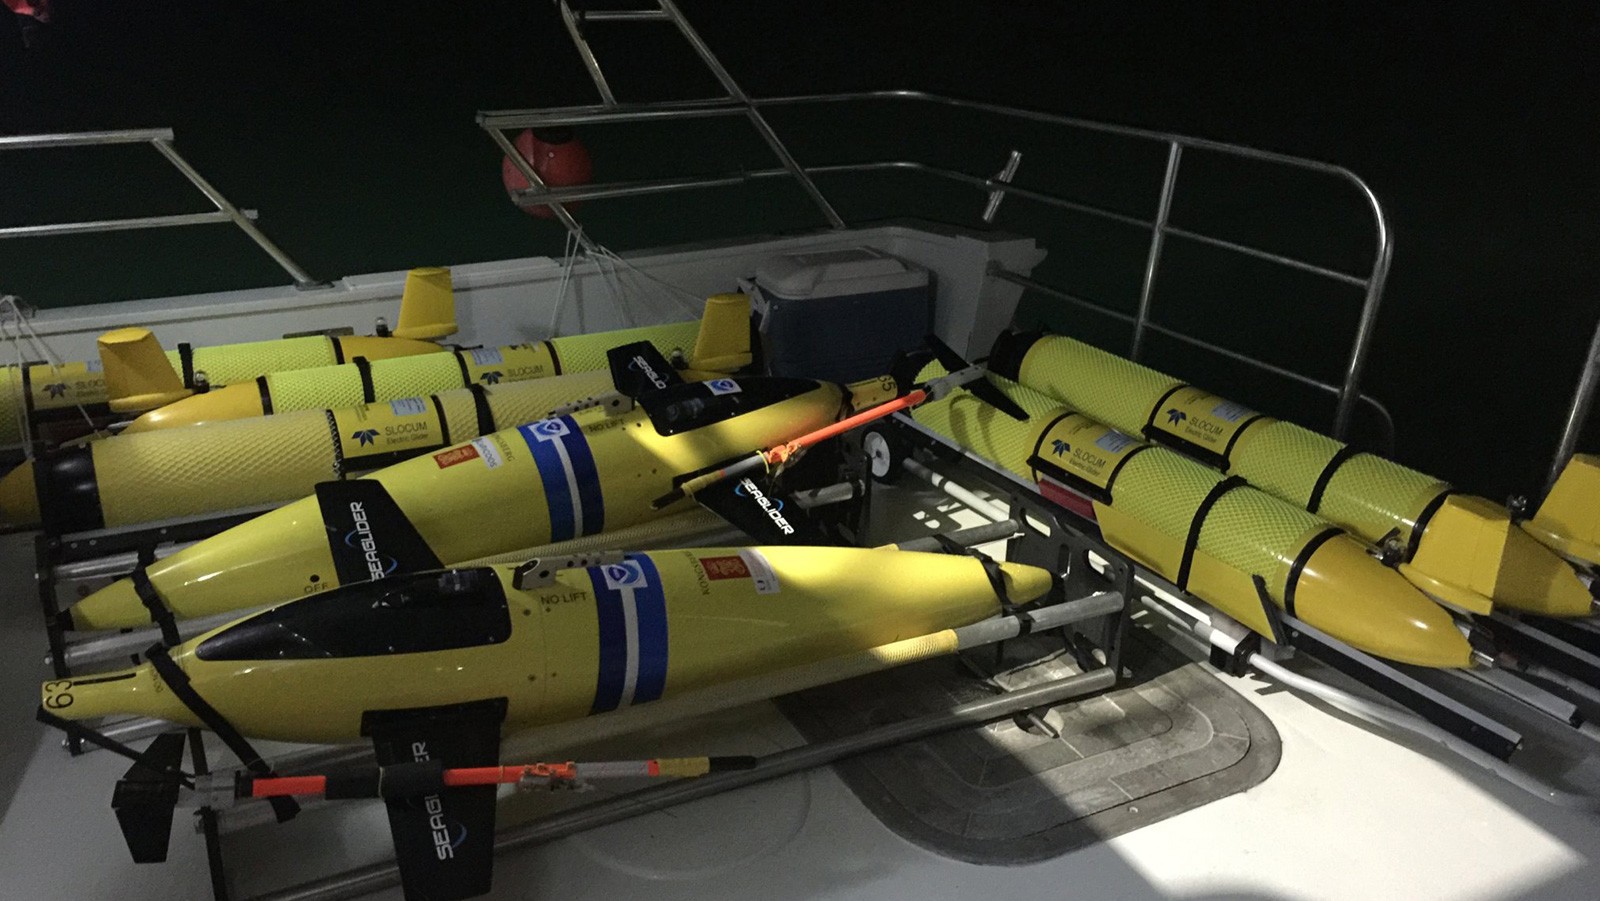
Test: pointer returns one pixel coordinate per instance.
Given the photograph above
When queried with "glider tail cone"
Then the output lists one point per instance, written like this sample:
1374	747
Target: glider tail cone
427	306
582	641
551	480
723	344
1451	540
138	374
1569	519
19	498
1237	548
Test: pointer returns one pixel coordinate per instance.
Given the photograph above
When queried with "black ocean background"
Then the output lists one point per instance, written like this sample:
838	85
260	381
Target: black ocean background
350	127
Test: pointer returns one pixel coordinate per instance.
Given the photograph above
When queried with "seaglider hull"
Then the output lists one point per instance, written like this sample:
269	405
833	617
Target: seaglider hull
593	640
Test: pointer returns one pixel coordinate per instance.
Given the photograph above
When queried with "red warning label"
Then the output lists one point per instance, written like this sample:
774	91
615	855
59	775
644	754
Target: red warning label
725	568
455	455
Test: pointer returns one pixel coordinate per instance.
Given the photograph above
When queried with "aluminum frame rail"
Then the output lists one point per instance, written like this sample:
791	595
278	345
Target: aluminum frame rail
1578	412
1371	282
162	140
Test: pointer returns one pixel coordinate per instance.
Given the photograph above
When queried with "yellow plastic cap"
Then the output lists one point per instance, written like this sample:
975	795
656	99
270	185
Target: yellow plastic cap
138	374
116	606
1024	583
1569	519
1471	550
231	402
1351	596
723	344
428	305
19	499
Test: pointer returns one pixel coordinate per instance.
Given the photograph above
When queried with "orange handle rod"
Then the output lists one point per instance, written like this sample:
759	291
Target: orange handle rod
783	451
508	775
288	785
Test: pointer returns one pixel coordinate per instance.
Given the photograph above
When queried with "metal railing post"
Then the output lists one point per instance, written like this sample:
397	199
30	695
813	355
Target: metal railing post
161	139
301	278
757	121
1359	348
586	53
1578	413
1158	237
1347	393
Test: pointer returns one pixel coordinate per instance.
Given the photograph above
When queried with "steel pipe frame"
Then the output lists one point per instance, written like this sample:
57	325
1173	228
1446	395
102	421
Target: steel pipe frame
1578	413
1348	392
1387	445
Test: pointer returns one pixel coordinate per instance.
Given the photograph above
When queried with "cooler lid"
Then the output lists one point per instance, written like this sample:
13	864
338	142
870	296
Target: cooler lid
854	270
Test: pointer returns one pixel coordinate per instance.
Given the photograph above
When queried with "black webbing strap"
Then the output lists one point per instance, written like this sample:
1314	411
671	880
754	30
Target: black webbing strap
480	403
151	599
368	394
555	358
444	424
1155	410
1269	609
1299	566
1038	445
186	364
461	363
338	351
83	733
1422	522
1227	450
991	571
1192	541
1339	459
178	681
1117	470
266	395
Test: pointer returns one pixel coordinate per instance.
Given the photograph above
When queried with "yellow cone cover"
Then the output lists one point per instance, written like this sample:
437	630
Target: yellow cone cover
1376	499
138	375
1151	505
428	305
19	500
700	617
1569	519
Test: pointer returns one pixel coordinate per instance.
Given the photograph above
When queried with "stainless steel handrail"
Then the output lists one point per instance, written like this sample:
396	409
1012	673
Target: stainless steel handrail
161	139
1578	413
1372	282
1386	444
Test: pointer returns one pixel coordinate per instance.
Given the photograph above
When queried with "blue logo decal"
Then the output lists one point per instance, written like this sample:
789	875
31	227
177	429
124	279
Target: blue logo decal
59	389
492	377
1175	416
1060	447
365	436
353	539
627	574
546	429
459	838
723	386
777	502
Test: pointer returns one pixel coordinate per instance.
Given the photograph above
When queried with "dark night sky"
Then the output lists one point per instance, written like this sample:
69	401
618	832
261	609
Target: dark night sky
1474	122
